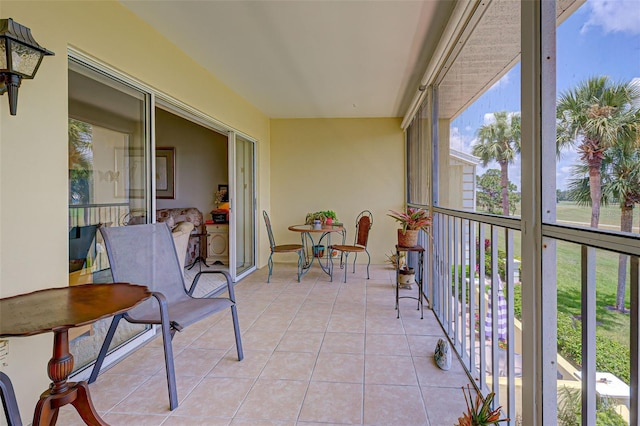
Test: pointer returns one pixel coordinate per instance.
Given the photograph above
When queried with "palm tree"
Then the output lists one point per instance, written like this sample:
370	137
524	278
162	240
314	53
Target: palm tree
620	173
500	141
80	161
596	115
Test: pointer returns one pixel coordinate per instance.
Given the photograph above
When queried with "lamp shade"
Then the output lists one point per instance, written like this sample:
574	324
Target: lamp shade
20	54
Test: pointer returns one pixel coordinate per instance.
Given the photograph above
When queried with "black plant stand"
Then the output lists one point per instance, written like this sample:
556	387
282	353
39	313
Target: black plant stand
202	249
419	277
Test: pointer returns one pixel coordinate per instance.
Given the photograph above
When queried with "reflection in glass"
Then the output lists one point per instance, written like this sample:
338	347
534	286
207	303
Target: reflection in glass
107	186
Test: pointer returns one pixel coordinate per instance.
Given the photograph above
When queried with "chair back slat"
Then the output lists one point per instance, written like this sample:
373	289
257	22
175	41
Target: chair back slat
267	222
363	225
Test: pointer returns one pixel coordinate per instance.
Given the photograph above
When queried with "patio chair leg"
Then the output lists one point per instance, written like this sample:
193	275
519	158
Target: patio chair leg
9	403
299	265
236	330
168	350
330	266
355	257
346	265
270	265
368	262
105	347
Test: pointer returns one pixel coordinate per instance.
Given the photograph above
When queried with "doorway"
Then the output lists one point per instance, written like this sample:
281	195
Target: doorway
117	126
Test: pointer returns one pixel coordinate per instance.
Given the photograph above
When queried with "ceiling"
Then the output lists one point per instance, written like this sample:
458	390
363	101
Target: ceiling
308	59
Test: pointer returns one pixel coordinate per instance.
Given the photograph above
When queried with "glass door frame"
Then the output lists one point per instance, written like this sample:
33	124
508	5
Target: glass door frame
110	73
156	99
233	197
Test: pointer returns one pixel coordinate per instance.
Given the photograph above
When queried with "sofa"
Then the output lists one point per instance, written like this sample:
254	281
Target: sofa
189	214
181	236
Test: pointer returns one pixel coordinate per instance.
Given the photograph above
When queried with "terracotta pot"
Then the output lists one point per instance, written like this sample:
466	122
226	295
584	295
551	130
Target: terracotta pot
409	238
406	276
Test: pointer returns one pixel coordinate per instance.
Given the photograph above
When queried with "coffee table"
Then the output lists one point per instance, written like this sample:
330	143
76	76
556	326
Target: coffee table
57	310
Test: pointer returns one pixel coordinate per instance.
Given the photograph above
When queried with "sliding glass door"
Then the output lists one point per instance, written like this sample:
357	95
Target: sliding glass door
108	168
242	256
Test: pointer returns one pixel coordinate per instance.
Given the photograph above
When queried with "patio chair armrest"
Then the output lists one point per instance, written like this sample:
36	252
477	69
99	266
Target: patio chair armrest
220	289
164	312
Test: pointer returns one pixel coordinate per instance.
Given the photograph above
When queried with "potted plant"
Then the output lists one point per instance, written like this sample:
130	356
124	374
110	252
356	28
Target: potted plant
326	217
315	218
412	221
330	217
480	412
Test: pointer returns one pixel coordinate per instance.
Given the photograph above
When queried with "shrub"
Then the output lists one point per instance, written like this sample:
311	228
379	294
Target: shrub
502	263
570	409
461	278
517	300
611	356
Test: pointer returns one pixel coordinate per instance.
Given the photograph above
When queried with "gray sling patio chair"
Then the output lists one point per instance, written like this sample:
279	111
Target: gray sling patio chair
9	403
145	254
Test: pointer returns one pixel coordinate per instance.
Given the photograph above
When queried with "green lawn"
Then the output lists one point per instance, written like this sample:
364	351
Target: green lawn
609	215
610	323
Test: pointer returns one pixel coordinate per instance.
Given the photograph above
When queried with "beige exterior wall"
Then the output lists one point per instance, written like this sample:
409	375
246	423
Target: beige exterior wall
345	165
33	148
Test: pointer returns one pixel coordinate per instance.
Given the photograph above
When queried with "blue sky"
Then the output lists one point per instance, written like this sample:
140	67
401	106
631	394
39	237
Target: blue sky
601	38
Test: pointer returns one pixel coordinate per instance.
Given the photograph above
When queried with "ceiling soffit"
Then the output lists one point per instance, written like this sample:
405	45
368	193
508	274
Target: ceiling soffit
491	48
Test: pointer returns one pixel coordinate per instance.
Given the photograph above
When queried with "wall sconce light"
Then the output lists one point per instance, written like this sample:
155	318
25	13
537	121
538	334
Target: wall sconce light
20	57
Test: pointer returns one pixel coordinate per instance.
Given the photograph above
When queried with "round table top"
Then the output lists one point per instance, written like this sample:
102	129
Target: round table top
61	308
310	228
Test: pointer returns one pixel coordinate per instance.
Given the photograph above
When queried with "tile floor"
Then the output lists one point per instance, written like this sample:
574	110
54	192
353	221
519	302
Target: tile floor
316	353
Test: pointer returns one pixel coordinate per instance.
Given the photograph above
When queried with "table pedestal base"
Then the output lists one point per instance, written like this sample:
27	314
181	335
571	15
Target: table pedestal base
61	392
46	412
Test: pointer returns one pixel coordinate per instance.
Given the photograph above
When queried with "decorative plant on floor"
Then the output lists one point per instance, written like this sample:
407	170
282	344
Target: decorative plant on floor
479	413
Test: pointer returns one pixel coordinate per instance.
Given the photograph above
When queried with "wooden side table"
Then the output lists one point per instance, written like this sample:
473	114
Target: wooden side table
217	252
58	310
419	277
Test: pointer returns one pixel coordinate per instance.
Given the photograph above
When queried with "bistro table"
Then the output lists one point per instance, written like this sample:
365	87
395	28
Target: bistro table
58	310
311	247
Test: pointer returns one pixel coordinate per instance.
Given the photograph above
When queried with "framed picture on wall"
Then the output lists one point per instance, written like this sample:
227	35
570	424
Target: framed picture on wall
224	189
165	173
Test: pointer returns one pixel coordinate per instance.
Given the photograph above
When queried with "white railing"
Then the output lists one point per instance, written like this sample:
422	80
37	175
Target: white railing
468	252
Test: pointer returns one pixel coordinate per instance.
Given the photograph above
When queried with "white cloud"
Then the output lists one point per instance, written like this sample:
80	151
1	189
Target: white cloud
456	139
460	141
489	118
504	81
614	16
566	169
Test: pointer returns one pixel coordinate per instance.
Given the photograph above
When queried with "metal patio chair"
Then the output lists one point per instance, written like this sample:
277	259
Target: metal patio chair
364	222
284	248
9	403
145	254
